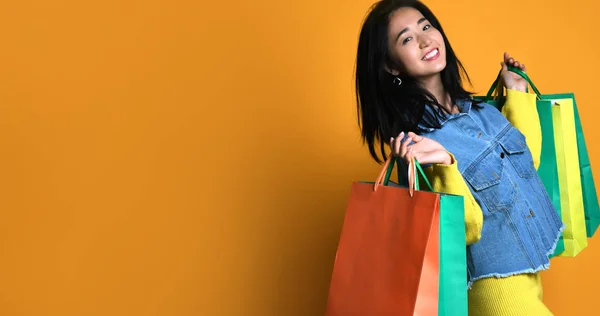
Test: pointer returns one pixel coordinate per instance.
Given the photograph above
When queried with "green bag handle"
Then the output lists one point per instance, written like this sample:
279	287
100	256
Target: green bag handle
518	72
418	168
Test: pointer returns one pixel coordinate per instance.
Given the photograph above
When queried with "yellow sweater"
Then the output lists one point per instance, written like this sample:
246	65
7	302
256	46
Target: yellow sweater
515	295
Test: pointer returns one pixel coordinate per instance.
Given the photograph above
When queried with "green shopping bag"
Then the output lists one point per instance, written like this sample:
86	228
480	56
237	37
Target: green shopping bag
576	182
590	196
453	265
547	170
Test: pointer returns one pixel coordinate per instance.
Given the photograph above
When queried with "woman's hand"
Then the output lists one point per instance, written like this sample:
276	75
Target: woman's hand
510	79
425	150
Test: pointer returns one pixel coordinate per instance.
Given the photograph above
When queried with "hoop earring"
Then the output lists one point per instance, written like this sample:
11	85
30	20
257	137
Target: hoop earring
397	81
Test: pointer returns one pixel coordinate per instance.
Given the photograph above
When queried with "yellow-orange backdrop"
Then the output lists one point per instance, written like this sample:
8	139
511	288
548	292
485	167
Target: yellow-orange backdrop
195	157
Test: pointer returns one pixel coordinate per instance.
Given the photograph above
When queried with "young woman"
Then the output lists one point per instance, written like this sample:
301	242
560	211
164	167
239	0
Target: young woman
410	97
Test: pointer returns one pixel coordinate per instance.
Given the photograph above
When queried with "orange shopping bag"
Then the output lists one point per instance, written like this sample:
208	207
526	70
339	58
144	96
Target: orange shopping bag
388	258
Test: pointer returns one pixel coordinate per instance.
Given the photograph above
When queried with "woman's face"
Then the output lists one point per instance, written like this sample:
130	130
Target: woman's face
416	47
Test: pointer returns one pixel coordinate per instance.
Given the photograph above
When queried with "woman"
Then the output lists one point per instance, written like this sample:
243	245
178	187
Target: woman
410	96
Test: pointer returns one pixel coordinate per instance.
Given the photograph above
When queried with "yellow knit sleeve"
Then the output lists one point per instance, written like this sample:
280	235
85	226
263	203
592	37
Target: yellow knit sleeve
447	179
520	110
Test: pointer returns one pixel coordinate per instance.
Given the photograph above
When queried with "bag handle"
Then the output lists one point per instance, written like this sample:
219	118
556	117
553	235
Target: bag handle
413	179
518	72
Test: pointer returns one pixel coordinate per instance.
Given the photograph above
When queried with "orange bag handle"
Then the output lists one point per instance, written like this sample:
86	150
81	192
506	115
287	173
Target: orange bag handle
386	169
413	183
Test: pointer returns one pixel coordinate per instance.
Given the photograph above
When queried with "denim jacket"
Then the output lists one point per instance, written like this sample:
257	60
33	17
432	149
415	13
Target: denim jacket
520	225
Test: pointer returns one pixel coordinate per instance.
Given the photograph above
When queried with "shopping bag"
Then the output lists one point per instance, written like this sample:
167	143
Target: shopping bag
590	196
570	188
452	299
548	169
571	195
401	251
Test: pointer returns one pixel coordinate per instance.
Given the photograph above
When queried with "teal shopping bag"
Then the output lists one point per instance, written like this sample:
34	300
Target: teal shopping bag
590	195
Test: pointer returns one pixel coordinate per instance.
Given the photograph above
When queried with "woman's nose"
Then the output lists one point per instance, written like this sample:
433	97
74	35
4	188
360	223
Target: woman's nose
424	41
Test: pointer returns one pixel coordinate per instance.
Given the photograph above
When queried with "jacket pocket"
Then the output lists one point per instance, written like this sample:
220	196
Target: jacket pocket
518	153
488	179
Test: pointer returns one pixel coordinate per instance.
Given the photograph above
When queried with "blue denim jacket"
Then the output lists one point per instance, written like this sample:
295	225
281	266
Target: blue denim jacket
520	225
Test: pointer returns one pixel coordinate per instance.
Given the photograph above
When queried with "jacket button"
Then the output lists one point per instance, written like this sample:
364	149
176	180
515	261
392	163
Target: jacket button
502	155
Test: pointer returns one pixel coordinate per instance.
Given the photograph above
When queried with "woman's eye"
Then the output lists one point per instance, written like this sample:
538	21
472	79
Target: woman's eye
426	27
406	40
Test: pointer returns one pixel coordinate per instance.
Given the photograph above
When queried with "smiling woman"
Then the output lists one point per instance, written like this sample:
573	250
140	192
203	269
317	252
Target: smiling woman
407	46
410	48
410	97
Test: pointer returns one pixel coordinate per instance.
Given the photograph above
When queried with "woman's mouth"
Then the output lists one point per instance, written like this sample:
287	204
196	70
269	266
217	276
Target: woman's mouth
433	54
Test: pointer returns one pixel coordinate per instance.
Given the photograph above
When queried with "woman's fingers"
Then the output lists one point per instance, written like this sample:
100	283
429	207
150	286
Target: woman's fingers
432	157
416	138
404	147
512	62
396	143
414	146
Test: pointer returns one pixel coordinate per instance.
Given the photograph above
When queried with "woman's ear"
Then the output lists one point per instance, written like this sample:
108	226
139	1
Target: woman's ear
392	69
393	72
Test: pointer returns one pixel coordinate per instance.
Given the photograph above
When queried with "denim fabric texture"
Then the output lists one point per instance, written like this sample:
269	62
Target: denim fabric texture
520	225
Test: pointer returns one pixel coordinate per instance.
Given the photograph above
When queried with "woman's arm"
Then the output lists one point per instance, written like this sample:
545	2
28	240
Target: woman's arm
520	107
521	111
447	179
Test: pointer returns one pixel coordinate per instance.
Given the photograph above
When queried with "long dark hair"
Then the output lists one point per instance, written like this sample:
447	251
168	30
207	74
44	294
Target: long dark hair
385	108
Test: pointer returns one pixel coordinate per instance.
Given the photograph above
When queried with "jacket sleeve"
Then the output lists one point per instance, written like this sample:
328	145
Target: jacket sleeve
521	111
448	179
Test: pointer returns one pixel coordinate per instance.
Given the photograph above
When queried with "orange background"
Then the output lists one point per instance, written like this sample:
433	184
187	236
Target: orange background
195	158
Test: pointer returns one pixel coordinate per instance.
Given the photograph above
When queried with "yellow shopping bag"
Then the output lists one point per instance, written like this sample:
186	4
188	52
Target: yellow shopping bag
571	197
